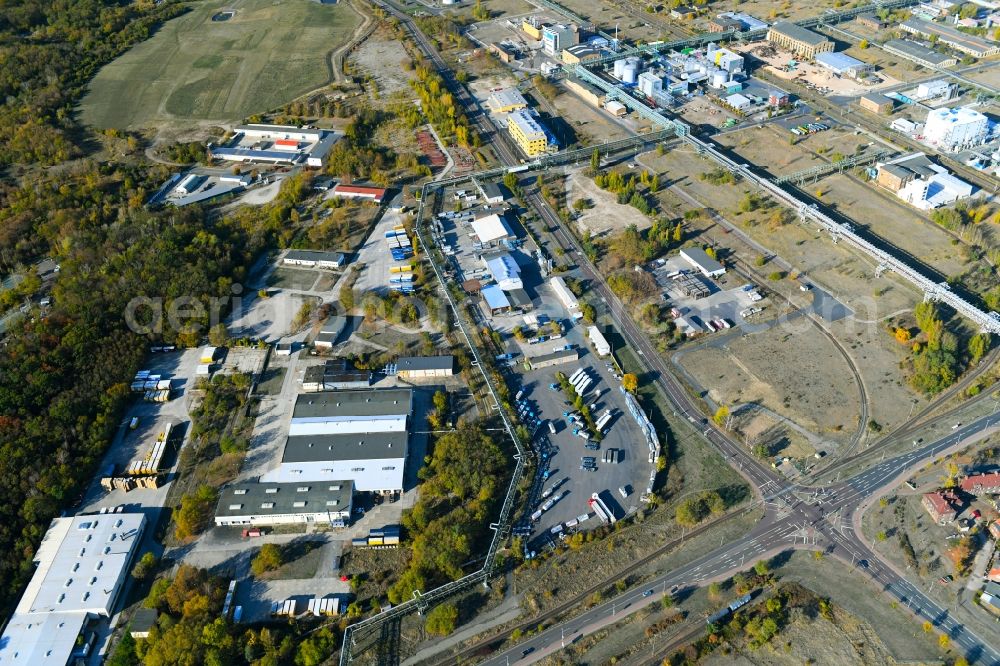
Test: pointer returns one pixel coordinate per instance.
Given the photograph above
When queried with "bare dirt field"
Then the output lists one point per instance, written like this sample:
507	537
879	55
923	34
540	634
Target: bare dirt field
877	357
607	216
848	275
797	374
989	74
897	630
591	125
773	10
771	147
381	57
497	8
895	221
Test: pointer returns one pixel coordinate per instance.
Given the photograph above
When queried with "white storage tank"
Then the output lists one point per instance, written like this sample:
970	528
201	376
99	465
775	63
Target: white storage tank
620	68
719	78
630	72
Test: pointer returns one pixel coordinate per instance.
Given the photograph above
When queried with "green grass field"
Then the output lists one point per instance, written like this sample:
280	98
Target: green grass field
195	69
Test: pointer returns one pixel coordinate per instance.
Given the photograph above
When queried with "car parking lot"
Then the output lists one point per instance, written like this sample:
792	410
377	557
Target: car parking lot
561	472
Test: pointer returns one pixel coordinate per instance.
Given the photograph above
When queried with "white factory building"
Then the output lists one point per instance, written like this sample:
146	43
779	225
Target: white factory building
700	260
492	228
941	189
565	297
82	564
957	128
650	84
557	37
358	436
724	59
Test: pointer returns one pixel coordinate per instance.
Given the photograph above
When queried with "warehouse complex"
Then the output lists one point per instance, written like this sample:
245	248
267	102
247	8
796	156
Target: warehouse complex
82	565
277	144
357	436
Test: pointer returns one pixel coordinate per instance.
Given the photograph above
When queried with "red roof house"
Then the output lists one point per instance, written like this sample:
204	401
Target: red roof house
978	484
376	194
942	505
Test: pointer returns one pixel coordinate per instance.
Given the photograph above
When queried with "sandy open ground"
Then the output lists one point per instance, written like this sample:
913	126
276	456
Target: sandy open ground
607	216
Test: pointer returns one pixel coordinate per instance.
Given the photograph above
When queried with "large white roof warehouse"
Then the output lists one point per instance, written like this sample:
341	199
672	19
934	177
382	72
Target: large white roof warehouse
359	436
492	228
82	564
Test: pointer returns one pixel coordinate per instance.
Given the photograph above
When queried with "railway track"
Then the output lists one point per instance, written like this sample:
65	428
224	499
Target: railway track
491	642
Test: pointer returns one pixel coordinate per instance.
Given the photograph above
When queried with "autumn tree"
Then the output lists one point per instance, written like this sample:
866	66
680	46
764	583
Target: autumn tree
630	382
268	558
442	619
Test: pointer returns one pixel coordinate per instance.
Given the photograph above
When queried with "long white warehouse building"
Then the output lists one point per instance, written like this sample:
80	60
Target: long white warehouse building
358	436
83	563
565	296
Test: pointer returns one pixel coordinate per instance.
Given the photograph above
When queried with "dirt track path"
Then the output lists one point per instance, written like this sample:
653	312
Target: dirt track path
367	25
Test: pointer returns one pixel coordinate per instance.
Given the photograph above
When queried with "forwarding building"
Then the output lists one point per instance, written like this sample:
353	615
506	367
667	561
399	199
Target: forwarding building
422	367
492	194
954	129
918	53
505	271
555	358
262	504
328	335
951	36
507	100
699	259
314	259
529	134
277	144
590	93
492	228
82	564
375	194
358	436
599	341
804	43
580	53
842	64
